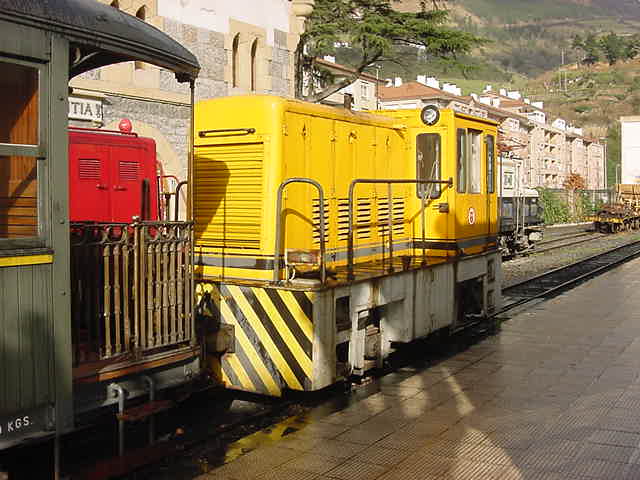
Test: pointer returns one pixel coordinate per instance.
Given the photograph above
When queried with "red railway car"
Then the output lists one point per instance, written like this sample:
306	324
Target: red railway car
112	176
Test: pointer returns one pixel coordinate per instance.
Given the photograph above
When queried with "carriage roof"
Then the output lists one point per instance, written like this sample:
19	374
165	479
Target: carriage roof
100	35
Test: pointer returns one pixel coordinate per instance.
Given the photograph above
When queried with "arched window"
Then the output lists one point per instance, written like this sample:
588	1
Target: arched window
235	60
142	15
254	64
115	4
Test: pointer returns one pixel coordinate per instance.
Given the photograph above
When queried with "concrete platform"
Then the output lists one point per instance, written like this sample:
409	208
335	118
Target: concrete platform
556	395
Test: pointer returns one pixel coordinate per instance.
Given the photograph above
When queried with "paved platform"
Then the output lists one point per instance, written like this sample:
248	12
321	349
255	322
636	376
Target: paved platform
555	395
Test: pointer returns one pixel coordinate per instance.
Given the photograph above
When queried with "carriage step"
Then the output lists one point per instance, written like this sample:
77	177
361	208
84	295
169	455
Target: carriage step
141	412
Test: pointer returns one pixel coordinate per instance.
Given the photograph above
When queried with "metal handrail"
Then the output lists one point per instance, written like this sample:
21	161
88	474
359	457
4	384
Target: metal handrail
221	132
278	246
388	182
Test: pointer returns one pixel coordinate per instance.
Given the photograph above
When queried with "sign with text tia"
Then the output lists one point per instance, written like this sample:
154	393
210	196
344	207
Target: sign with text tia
81	108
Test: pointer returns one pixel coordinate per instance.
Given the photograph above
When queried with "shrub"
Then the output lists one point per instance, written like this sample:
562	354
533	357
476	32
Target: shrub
554	209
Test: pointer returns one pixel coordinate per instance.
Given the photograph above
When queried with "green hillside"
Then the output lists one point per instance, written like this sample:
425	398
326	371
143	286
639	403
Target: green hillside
518	11
530	37
593	97
530	49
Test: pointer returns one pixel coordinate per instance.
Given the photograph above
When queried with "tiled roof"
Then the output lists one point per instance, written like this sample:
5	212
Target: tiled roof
411	90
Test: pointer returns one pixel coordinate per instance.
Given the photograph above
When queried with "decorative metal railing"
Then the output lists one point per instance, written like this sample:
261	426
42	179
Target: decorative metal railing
132	289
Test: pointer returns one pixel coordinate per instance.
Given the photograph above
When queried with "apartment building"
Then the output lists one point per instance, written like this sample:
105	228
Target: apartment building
362	93
546	154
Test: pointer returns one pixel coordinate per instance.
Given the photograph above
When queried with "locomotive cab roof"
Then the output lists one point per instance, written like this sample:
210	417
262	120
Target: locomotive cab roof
101	35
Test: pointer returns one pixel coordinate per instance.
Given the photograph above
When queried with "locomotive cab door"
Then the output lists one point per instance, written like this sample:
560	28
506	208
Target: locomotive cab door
433	221
471	209
490	170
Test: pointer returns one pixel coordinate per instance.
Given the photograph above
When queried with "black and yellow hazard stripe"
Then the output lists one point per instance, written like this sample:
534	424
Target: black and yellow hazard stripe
274	337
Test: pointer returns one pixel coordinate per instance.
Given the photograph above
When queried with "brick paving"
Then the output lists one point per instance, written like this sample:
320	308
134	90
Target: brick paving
555	395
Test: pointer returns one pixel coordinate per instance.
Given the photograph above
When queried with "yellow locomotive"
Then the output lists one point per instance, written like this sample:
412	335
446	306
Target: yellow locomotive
325	238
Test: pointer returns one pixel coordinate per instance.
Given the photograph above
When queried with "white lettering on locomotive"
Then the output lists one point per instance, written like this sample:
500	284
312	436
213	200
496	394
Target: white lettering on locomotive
15	424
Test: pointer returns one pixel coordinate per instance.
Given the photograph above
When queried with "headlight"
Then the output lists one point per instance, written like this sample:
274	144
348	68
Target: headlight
430	115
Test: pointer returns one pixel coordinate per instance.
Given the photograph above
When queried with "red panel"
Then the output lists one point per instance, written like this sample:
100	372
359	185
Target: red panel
108	173
89	183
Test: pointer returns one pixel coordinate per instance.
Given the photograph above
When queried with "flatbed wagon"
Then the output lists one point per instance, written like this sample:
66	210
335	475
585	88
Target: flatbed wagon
621	215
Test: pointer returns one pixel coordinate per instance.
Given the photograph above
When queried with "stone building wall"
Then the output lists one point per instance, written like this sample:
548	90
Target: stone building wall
157	105
165	123
208	47
281	65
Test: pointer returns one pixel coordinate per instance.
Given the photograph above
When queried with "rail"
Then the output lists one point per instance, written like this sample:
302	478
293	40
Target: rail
550	283
389	183
132	289
278	245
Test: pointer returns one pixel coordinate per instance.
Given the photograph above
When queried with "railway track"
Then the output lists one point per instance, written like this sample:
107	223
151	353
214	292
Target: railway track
567	241
560	279
192	451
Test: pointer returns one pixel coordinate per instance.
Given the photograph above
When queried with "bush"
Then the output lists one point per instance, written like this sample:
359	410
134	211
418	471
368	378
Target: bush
586	205
554	209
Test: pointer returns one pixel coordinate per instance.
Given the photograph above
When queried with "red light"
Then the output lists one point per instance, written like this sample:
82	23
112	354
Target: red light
125	125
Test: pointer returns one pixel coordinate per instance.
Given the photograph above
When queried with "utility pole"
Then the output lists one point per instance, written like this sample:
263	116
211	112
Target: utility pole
563	72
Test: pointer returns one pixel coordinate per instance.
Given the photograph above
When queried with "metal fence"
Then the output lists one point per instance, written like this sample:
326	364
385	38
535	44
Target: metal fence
132	288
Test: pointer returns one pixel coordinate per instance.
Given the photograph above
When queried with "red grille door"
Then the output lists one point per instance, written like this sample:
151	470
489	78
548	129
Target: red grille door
89	183
126	173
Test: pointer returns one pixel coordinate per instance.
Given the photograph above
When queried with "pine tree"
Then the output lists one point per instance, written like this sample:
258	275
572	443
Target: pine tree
613	47
373	29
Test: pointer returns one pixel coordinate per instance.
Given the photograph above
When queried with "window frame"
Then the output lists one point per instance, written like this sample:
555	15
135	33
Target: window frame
490	155
254	65
461	159
40	153
436	190
474	161
235	61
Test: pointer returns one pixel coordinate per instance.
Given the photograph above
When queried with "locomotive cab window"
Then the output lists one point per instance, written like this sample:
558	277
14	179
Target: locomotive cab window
462	160
474	161
490	156
428	164
20	219
469	144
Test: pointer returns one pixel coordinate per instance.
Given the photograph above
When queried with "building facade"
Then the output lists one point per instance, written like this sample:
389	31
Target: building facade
630	150
547	154
360	95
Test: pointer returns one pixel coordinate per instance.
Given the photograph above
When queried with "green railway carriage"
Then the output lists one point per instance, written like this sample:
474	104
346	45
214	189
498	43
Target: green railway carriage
48	355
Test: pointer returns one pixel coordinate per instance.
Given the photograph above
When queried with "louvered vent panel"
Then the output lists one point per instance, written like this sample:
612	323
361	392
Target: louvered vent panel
316	221
397	206
89	169
343	219
129	171
228	189
398	217
363	218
